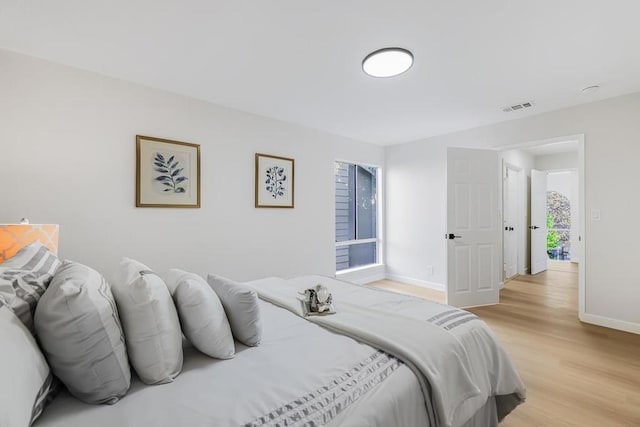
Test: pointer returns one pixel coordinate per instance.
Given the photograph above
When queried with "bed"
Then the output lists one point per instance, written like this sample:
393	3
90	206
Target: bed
328	370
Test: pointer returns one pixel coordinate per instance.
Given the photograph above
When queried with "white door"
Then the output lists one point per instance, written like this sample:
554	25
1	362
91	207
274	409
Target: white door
510	222
538	221
474	243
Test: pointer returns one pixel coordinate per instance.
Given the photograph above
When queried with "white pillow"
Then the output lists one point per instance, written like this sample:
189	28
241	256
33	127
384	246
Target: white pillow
150	321
26	379
202	316
241	305
79	330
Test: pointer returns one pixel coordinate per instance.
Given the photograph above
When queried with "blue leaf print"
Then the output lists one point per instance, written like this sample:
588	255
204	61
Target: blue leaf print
169	174
274	183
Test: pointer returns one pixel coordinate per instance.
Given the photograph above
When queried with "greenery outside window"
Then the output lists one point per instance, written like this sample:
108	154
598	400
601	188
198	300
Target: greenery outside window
558	226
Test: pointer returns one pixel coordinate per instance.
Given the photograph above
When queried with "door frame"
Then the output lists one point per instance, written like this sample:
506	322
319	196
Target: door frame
519	223
579	138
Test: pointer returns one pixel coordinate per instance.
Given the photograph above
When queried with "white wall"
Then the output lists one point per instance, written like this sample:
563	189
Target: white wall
67	156
612	147
519	158
557	161
416	213
561	182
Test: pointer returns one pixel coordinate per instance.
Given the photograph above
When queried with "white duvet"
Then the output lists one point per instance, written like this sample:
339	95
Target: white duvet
455	356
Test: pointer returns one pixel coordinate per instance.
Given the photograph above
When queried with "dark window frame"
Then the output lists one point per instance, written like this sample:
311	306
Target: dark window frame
348	240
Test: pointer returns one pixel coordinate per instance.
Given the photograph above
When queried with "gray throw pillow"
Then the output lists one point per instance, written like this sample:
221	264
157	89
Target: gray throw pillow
79	330
150	321
34	257
24	278
202	316
26	378
241	305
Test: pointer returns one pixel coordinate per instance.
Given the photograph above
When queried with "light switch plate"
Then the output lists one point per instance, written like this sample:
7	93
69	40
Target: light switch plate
595	214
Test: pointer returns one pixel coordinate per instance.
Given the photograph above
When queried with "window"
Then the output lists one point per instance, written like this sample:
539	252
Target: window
356	215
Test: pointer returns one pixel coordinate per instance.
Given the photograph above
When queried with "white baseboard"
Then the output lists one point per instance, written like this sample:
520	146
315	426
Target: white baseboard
608	322
411	281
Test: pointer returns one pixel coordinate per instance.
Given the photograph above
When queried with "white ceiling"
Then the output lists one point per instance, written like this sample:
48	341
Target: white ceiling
300	60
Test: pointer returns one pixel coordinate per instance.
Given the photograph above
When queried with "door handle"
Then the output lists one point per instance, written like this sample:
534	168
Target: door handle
451	236
533	227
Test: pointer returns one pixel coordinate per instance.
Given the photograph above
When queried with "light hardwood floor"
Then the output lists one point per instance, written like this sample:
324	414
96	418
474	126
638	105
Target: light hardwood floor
576	374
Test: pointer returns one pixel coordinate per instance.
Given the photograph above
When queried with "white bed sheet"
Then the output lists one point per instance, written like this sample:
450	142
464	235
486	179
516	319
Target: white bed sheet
412	329
295	358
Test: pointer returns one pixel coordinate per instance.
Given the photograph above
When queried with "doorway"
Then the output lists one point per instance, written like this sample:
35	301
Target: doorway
475	235
555	217
553	207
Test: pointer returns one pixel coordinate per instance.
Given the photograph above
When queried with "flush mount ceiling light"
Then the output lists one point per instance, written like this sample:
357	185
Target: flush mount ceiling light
387	62
590	89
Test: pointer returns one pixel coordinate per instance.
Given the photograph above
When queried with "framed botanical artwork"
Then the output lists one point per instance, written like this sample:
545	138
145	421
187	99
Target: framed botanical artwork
274	181
167	173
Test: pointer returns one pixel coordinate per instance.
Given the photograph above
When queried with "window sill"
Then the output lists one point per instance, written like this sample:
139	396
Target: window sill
363	274
360	268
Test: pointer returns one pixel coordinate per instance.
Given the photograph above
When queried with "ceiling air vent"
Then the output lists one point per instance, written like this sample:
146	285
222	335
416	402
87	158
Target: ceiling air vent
518	107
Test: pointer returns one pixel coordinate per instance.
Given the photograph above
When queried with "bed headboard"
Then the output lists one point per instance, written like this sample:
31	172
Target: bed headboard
14	237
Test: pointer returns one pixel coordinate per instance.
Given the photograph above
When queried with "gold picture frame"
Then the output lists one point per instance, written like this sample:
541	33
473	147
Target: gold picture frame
167	173
275	181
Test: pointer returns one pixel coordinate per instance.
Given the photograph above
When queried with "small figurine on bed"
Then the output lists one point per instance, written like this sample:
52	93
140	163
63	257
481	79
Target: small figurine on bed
318	301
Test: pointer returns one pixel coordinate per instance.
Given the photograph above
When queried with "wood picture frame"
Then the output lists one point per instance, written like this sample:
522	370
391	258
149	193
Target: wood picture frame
275	181
167	173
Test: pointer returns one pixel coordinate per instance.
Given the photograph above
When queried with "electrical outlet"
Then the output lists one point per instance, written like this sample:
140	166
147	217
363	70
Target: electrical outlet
430	270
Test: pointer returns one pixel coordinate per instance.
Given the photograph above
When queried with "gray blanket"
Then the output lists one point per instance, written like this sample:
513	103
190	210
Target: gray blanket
454	355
